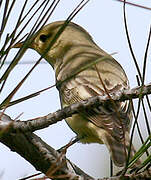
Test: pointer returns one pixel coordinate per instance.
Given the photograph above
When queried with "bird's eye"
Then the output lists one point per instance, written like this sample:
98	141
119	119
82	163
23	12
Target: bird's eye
43	37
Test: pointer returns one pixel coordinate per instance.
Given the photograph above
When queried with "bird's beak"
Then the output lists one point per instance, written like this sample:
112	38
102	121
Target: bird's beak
27	44
18	45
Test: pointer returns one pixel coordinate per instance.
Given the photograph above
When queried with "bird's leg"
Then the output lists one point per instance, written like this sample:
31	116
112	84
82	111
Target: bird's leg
65	147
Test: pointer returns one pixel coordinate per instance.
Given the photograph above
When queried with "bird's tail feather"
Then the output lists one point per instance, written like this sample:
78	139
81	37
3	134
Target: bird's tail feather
119	150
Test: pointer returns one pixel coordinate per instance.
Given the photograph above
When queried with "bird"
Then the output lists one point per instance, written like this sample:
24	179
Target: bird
73	50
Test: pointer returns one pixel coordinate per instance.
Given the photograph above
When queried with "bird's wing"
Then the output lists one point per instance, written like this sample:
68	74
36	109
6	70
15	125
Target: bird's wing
114	118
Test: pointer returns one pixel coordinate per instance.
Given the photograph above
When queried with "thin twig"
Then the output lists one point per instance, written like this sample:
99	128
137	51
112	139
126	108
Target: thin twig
134	4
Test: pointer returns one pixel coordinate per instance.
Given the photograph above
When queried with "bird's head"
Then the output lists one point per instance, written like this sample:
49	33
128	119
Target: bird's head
73	35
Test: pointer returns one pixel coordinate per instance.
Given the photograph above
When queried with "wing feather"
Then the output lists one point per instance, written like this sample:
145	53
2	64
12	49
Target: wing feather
115	119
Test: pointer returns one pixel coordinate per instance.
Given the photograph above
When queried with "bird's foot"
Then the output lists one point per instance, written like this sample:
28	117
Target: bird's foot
64	148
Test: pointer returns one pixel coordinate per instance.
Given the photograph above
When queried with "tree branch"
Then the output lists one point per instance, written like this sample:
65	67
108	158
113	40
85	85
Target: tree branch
46	159
45	121
18	136
32	148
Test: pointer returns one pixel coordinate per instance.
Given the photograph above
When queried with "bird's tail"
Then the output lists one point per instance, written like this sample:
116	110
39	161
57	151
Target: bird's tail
119	150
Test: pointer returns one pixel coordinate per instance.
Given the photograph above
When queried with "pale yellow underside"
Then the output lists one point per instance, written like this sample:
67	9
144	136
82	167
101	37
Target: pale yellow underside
86	129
